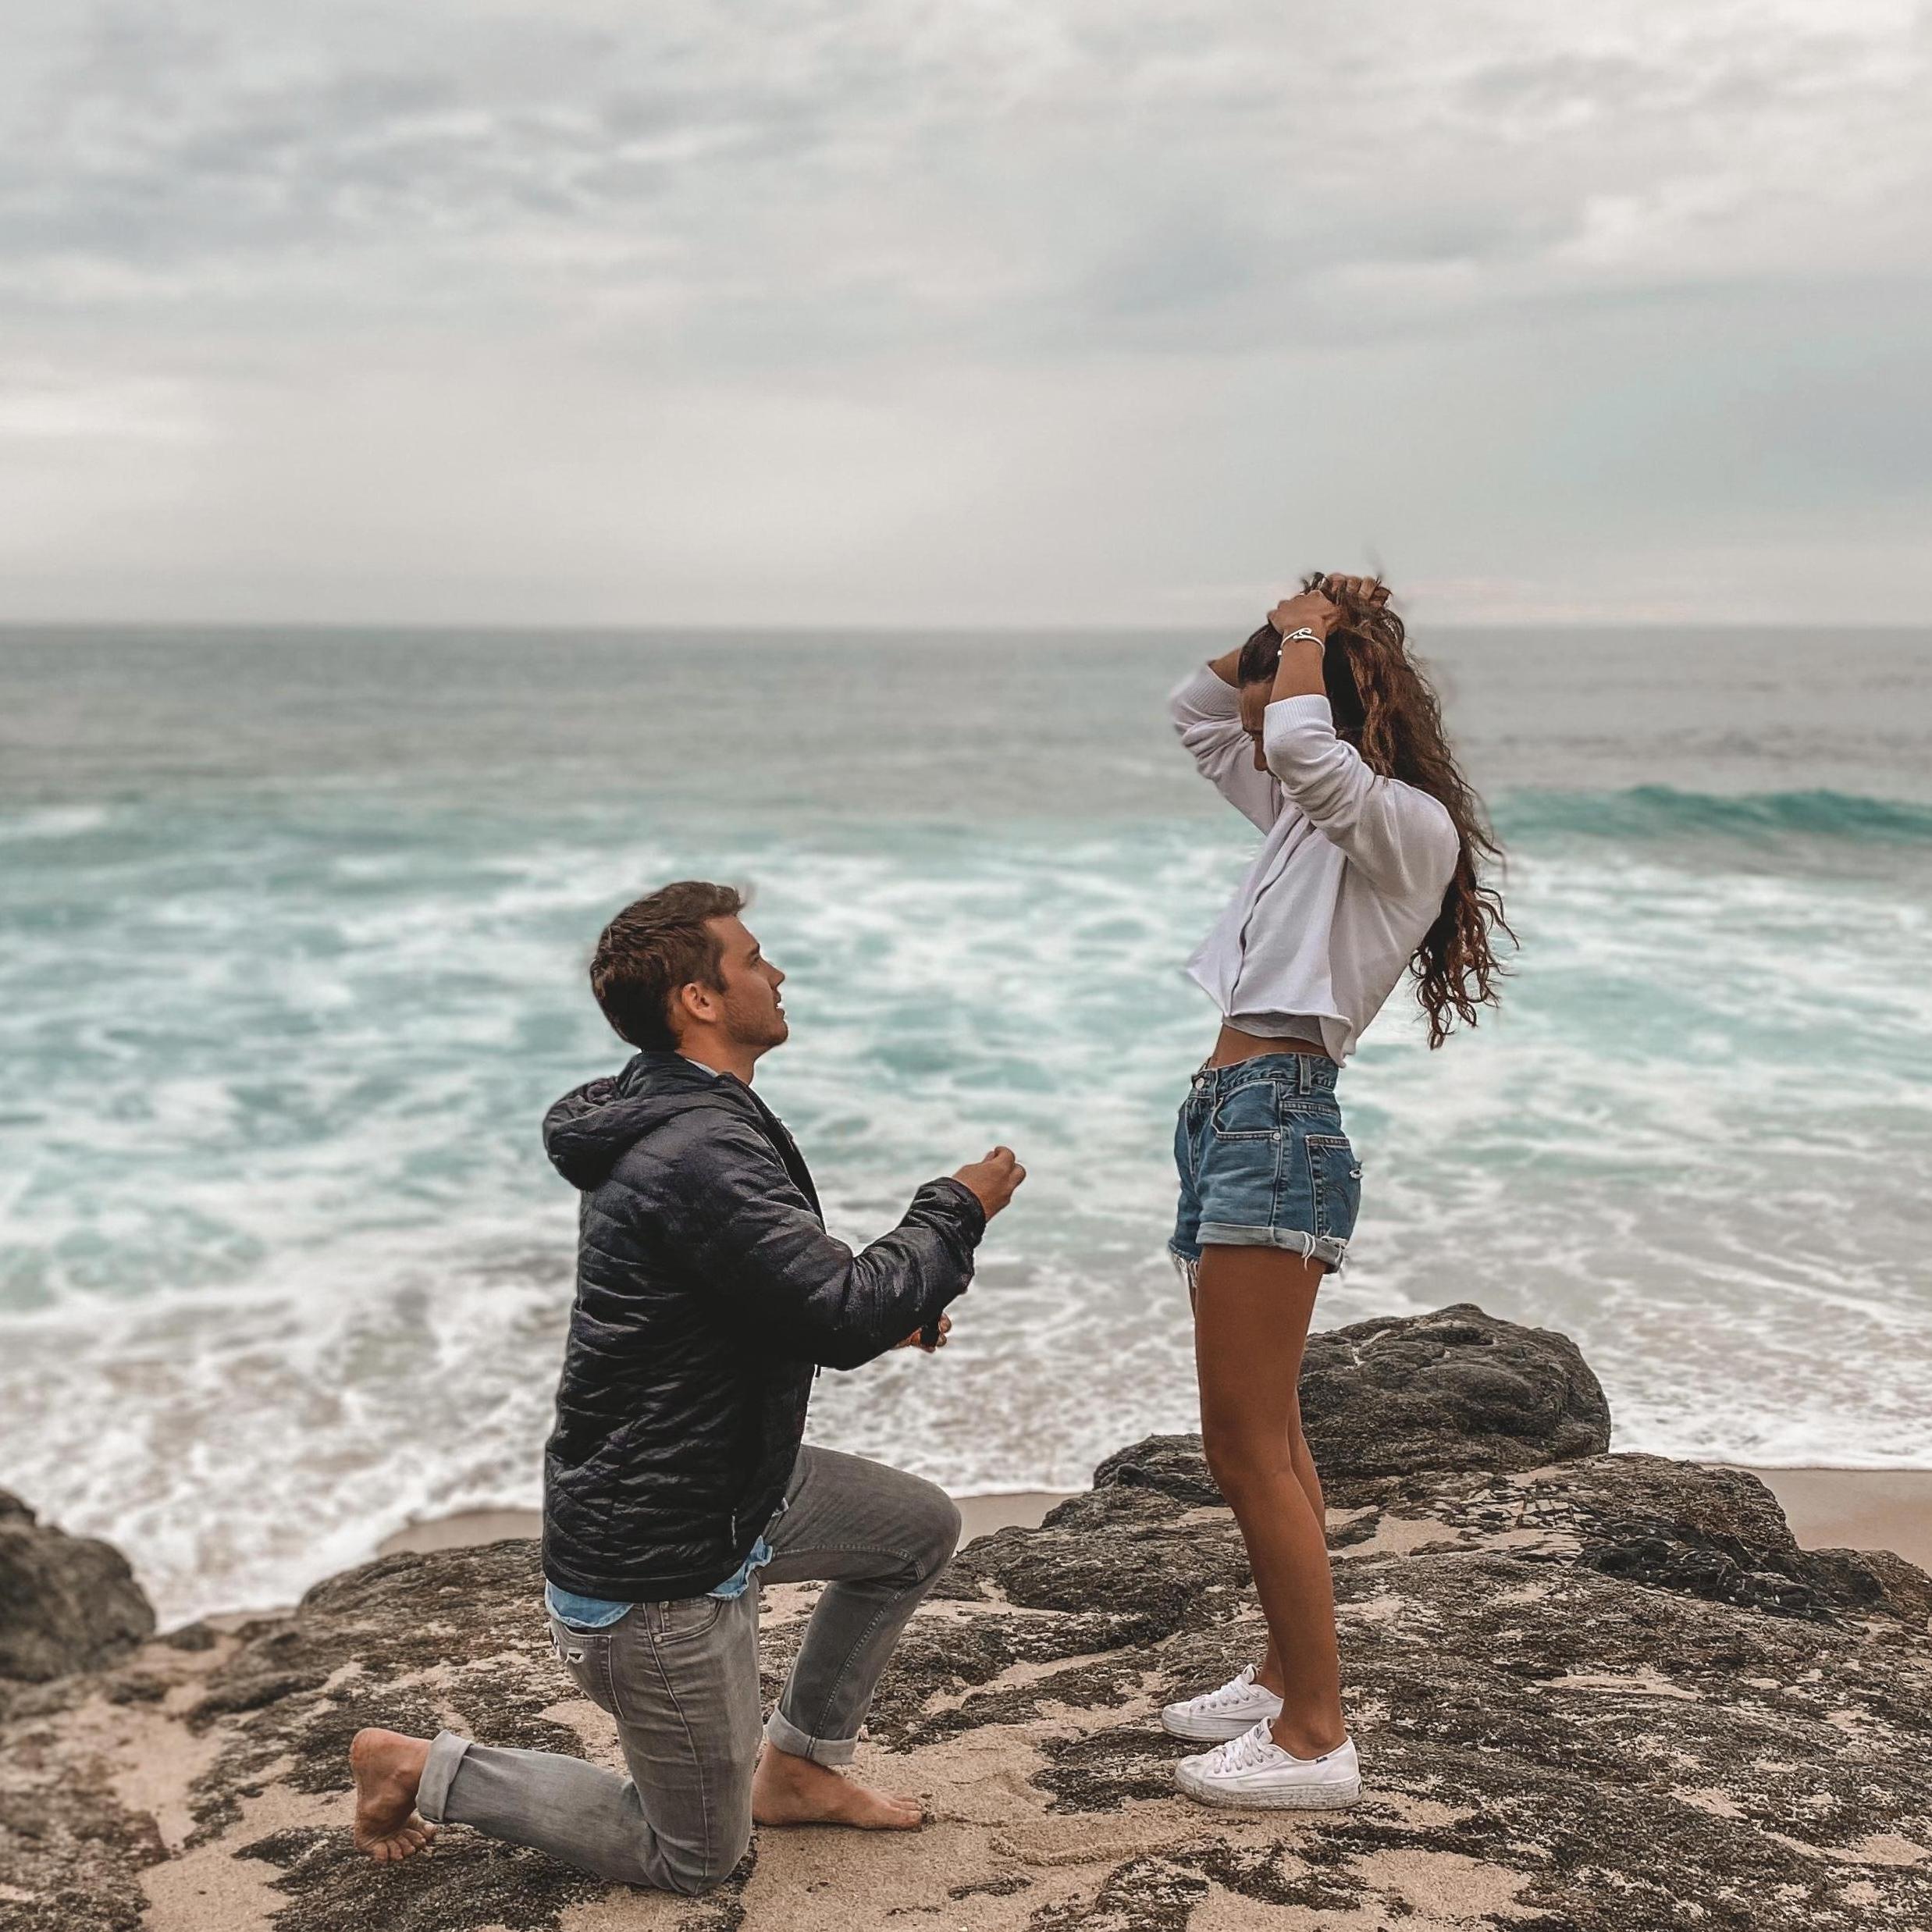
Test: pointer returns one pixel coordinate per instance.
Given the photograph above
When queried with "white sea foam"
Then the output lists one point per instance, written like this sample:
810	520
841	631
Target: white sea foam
52	822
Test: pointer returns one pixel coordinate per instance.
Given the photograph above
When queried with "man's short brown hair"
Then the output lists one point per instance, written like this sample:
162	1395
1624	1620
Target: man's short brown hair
654	947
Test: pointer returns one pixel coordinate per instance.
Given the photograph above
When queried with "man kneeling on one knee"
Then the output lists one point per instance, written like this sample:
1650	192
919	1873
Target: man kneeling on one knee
676	1481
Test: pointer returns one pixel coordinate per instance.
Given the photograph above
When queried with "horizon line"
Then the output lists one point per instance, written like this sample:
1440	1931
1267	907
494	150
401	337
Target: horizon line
882	629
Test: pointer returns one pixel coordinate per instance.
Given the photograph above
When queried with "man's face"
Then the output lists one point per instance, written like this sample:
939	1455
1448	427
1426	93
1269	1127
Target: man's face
751	1012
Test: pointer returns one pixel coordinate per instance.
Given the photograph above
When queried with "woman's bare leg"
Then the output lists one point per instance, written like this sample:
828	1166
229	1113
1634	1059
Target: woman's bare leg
1252	1307
1268	1672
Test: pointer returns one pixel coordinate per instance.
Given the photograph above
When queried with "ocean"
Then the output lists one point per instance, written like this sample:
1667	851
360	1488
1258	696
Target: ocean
293	933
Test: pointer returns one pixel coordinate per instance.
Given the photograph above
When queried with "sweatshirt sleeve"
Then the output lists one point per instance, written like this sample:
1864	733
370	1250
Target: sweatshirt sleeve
1207	714
1404	840
746	1227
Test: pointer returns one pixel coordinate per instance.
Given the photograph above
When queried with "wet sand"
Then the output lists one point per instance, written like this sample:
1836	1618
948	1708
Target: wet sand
1857	1509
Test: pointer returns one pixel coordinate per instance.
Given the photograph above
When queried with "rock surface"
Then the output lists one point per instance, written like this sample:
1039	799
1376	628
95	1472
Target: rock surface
1457	1389
66	1602
1605	1693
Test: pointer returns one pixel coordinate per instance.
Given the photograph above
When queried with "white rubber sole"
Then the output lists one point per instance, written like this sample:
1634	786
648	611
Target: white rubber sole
1204	1729
1335	1796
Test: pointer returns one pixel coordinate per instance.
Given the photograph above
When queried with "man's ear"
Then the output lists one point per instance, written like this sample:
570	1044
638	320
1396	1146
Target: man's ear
696	1001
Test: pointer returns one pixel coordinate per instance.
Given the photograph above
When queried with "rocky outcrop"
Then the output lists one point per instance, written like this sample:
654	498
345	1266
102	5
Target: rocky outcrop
1597	1693
1454	1390
1457	1389
66	1602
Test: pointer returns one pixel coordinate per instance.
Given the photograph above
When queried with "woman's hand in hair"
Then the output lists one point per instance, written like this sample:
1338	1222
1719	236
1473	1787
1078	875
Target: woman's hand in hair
1311	609
1368	593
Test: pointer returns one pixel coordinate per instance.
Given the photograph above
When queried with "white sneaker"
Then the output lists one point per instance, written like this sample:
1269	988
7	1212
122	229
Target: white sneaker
1254	1772
1240	1705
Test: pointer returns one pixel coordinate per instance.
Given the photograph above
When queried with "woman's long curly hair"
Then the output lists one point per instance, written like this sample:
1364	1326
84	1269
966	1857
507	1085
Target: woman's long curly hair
1386	706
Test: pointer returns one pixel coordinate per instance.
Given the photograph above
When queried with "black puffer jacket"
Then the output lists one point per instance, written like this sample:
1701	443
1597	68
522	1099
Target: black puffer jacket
708	1291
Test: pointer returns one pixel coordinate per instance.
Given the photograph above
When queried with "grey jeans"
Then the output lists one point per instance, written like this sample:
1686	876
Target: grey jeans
681	1680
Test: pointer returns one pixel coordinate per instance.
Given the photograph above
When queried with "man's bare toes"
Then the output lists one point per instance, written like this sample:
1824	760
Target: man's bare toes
404	1843
884	1811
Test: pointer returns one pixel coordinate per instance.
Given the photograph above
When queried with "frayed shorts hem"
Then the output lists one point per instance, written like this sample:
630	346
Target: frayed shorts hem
1329	1249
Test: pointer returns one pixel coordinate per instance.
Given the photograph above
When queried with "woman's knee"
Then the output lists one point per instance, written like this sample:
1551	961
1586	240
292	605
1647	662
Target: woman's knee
1243	1461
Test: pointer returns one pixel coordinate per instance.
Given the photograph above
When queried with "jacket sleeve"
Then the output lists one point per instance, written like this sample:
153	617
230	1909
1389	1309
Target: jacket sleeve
1404	840
1207	714
742	1221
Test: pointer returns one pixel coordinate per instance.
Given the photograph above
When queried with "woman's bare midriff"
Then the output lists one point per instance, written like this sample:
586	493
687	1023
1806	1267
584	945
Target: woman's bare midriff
1235	1046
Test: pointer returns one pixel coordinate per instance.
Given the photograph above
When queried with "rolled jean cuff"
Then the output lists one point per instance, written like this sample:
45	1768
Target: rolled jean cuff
784	1735
1329	1248
439	1773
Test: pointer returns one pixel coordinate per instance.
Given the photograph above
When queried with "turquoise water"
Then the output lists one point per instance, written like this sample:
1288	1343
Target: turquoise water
292	935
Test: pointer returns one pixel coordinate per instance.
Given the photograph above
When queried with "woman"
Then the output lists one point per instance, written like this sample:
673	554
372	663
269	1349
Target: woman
1323	731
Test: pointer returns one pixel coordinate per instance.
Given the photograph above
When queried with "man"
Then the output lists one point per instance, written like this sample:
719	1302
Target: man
708	1295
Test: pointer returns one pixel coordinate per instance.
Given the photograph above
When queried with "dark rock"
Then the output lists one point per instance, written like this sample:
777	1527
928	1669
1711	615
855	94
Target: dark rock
66	1602
133	1687
1457	1389
71	1853
1593	1693
1172	1464
251	1690
1704	1531
1870	1580
1075	1561
195	1636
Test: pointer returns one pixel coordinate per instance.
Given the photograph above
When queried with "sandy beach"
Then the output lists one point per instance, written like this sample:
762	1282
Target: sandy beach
1857	1509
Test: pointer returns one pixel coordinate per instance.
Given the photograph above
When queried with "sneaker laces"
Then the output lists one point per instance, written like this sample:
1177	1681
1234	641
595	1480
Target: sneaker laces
1234	1691
1253	1748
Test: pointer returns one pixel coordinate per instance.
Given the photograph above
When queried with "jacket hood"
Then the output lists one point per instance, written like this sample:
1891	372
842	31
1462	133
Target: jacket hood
592	1127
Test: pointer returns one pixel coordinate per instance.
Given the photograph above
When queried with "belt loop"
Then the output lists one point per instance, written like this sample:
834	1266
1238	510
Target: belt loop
1304	1071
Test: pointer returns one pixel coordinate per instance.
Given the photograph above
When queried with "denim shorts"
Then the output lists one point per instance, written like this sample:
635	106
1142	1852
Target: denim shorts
1264	1161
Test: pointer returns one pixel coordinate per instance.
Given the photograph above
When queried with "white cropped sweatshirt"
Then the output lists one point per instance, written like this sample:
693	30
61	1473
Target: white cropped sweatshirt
1350	875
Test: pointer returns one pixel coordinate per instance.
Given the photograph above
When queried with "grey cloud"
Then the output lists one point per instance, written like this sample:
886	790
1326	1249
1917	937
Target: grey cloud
175	153
851	201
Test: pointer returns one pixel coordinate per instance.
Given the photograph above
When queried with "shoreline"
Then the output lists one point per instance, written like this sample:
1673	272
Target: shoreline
1854	1509
1827	1509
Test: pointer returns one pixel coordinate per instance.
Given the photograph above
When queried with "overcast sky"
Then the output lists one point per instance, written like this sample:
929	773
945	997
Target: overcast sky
833	312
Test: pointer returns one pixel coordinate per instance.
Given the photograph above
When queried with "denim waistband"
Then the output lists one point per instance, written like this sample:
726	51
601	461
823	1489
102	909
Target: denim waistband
1306	1073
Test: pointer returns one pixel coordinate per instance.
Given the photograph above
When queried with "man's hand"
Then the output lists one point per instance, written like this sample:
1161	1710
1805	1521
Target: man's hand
995	1179
917	1338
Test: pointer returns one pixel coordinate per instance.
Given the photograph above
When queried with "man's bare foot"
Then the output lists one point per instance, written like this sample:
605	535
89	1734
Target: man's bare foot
792	1791
388	1767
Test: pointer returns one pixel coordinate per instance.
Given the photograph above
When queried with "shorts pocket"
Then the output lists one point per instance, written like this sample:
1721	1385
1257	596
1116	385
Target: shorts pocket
1335	1177
1250	1112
